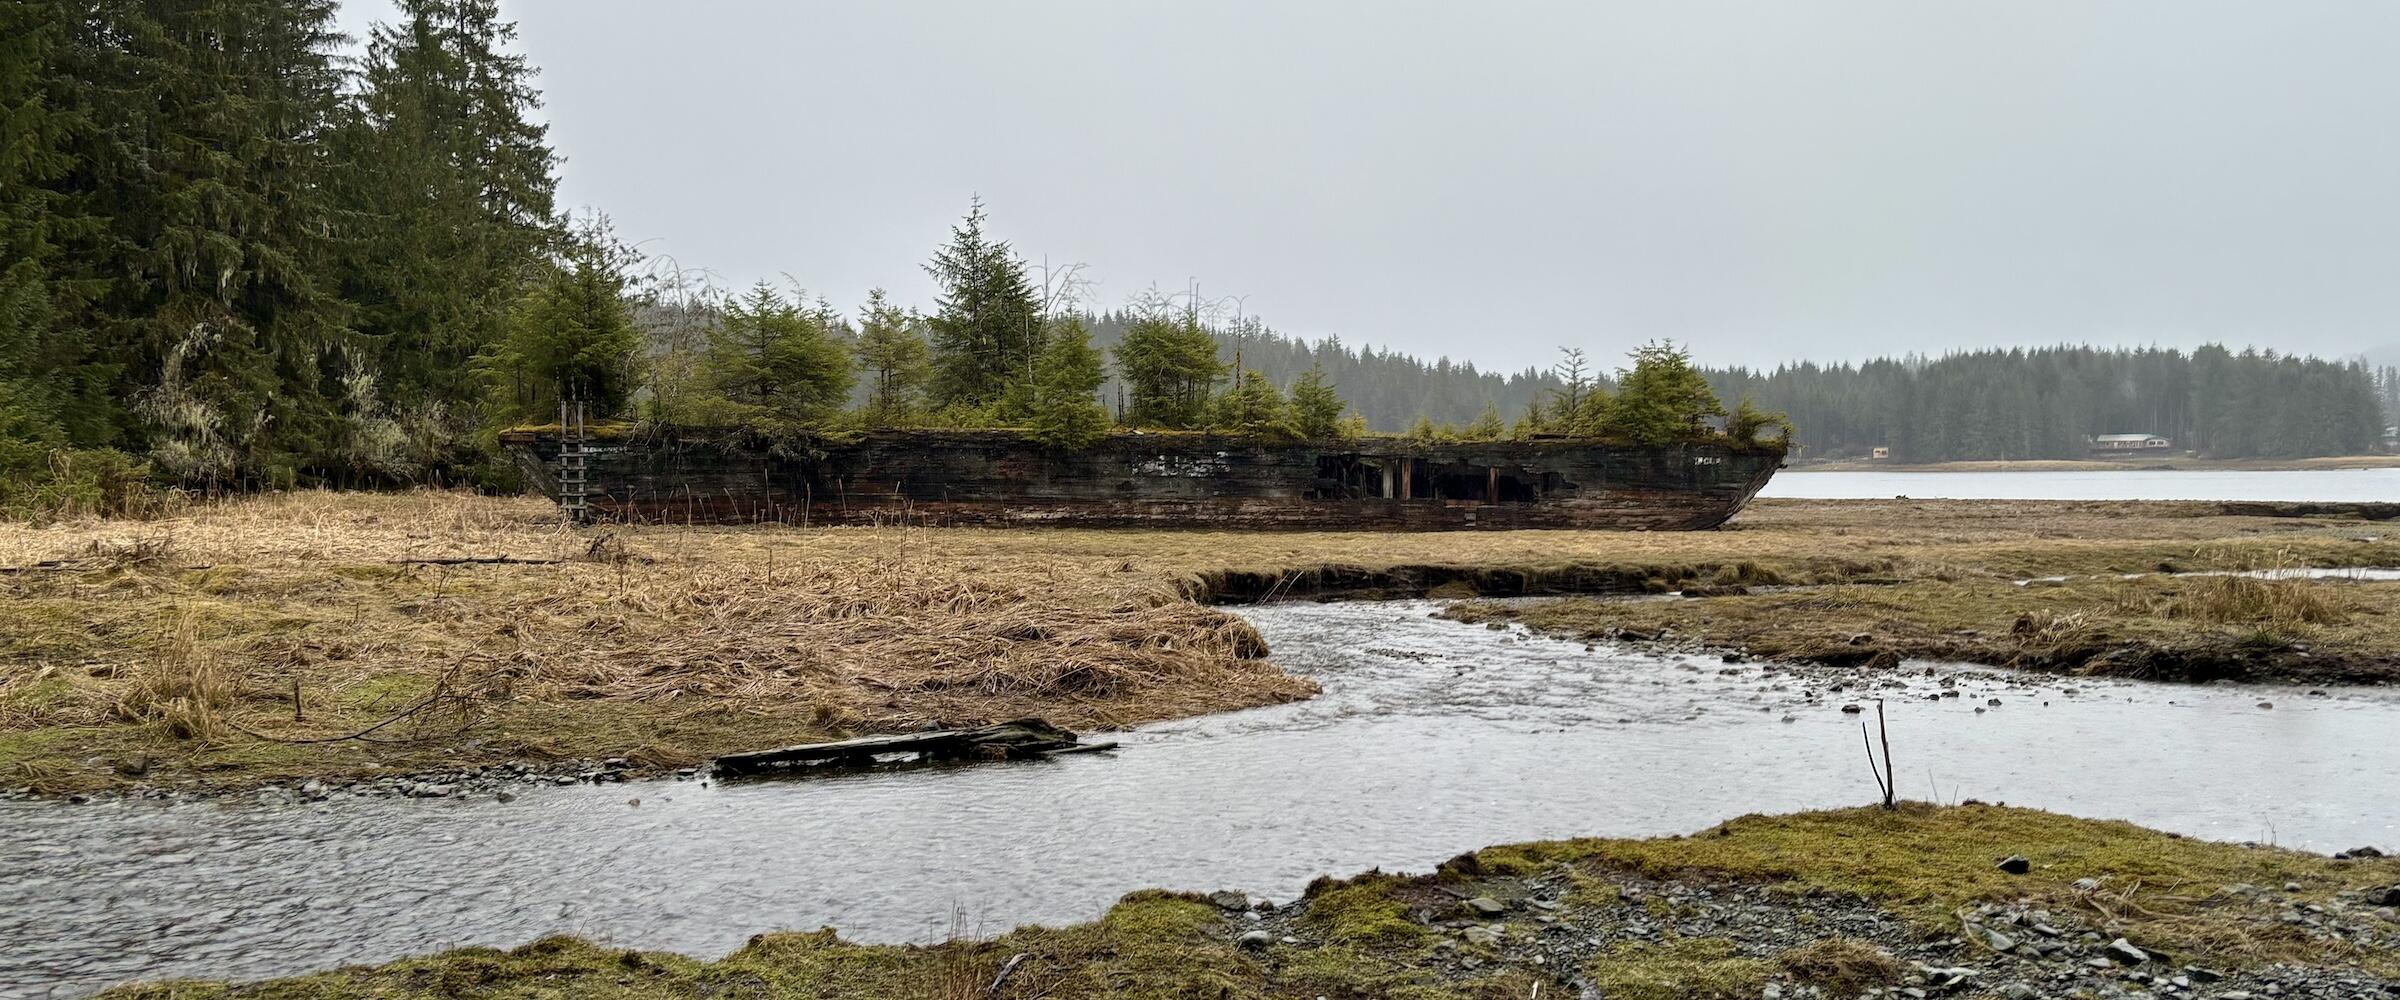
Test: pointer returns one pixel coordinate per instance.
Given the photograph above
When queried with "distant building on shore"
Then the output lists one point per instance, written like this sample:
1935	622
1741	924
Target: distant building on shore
2110	444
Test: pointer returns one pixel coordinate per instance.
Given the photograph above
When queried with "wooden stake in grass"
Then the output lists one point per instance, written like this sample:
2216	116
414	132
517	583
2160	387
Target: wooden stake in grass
1884	779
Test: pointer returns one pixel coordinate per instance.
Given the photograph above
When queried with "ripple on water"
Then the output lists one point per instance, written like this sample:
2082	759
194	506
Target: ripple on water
1432	737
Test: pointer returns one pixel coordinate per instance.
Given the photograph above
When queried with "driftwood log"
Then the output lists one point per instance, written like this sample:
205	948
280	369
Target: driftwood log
1017	740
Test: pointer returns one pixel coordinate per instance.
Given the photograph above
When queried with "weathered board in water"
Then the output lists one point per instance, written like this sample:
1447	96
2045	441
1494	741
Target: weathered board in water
1018	740
1157	480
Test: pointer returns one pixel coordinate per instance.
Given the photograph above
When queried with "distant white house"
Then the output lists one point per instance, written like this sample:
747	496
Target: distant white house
2130	442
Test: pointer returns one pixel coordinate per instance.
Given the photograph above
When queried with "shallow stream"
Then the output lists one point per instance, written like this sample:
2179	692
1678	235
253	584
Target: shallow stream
1432	737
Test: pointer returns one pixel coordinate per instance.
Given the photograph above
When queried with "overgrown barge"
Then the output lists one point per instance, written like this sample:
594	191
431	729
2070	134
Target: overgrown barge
1001	478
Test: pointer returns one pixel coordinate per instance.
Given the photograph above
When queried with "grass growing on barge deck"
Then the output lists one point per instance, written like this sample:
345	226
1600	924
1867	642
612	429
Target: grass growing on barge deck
1839	900
178	651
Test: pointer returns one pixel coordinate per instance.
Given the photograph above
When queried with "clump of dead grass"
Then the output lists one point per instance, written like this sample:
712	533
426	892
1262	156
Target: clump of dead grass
2247	600
185	690
1842	967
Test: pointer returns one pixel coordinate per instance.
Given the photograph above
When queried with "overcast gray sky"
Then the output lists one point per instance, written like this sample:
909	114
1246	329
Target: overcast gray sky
1765	180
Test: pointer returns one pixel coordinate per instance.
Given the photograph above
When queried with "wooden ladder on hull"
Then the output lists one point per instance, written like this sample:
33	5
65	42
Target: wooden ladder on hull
574	472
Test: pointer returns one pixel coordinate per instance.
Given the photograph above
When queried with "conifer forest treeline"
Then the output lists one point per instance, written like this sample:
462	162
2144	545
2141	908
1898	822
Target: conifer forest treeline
239	251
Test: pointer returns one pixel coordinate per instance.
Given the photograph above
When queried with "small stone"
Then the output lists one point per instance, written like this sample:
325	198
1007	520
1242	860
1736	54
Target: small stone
2358	854
504	797
2124	951
1227	899
1255	940
2015	864
1487	906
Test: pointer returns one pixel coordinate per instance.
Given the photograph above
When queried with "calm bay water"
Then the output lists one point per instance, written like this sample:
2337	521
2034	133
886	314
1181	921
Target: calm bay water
1431	738
2324	485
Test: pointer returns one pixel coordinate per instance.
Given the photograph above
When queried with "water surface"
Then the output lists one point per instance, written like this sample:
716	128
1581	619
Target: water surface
1432	738
2321	485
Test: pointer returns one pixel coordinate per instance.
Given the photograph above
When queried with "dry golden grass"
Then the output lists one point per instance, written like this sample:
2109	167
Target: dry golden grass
2174	628
305	635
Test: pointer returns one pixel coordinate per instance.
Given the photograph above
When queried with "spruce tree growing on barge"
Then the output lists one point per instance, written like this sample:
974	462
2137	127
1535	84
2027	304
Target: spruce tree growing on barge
893	356
1662	398
988	330
1316	406
1066	410
778	361
1170	367
570	337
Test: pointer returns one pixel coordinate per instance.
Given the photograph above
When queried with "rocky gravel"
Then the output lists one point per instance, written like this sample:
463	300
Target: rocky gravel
498	783
1556	923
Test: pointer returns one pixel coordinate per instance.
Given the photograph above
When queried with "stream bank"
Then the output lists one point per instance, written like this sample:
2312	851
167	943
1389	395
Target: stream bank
1432	737
1756	907
2287	626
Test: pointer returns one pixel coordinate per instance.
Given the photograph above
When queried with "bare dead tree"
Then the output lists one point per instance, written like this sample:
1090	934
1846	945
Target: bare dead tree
1886	781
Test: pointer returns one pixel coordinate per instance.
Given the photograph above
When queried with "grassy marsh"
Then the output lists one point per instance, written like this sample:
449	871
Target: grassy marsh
317	635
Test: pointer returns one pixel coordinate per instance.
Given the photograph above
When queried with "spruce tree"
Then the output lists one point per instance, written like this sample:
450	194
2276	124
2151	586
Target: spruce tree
569	337
1487	425
1065	407
210	176
1170	367
987	330
1317	407
777	361
31	158
893	355
445	185
1256	409
1661	398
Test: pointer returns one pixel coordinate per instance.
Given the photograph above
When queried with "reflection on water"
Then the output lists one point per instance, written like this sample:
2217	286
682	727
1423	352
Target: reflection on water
2321	485
1432	737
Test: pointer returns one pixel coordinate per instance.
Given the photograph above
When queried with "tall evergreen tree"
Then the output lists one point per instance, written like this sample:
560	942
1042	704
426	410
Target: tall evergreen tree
33	372
446	188
987	330
207	166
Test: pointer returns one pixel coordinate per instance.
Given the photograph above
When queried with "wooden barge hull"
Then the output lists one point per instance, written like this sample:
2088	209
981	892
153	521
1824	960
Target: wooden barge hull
996	478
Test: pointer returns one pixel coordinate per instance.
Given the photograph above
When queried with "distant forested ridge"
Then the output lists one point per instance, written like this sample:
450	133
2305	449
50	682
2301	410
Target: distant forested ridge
1995	404
2047	402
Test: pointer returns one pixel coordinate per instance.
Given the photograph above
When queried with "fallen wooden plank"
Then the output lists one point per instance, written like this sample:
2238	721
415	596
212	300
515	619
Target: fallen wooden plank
1082	748
1019	738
